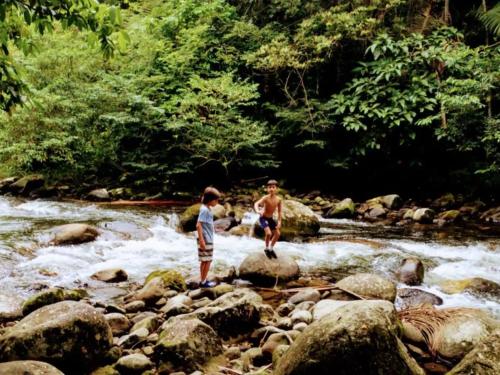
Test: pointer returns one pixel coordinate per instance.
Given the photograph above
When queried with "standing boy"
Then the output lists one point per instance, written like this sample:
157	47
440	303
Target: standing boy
270	203
205	232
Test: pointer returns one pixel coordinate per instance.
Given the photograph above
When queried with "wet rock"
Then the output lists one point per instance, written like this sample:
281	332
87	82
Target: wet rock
484	359
411	297
343	209
65	333
27	184
28	368
411	271
471	209
476	285
241	230
98	195
187	343
359	338
112	275
189	217
119	323
391	201
369	286
445	201
127	230
326	306
74	234
134	364
50	296
423	215
305	295
260	270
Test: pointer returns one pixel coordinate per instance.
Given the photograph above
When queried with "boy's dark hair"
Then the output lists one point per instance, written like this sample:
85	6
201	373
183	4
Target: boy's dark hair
272	182
210	194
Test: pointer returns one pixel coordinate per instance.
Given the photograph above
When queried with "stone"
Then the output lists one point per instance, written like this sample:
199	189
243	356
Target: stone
275	340
134	364
260	270
391	201
284	323
412	297
357	339
445	201
476	286
112	275
134	306
119	323
300	326
369	286
233	352
326	307
188	343
28	368
305	295
424	215
492	215
408	214
27	184
241	230
172	279
301	316
484	359
70	234
98	195
189	217
106	370
5	183
376	213
343	209
450	216
64	334
253	357
50	296
150	323
285	309
411	271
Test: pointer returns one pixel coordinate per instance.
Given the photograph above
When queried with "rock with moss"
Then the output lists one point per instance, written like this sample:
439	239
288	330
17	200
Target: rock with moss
390	201
50	296
360	338
343	209
27	184
76	233
28	368
261	270
476	285
484	359
411	271
424	215
187	343
172	279
133	364
64	334
445	201
189	217
231	314
106	370
370	286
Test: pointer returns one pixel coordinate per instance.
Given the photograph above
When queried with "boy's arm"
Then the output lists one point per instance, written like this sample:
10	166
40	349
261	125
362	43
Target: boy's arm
279	214
201	240
259	203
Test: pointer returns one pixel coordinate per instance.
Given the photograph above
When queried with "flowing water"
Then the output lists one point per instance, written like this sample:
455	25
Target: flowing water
142	240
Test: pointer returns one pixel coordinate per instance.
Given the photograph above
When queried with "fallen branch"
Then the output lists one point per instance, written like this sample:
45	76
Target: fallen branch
229	370
146	203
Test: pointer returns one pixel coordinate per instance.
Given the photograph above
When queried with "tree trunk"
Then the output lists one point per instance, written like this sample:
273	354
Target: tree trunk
446	12
487	42
427	15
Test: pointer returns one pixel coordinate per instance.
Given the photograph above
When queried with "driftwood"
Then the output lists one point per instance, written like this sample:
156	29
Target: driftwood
321	288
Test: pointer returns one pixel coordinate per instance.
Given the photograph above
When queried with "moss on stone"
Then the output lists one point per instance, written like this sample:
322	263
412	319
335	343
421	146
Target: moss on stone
171	279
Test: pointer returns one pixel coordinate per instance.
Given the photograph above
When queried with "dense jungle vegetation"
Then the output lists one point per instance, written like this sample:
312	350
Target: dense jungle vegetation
358	96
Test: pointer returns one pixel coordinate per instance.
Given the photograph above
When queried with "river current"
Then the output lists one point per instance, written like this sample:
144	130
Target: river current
141	240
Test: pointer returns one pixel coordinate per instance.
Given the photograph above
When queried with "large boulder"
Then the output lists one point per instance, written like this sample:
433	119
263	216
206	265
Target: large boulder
27	184
343	209
189	217
231	314
411	271
298	220
424	215
65	334
484	359
172	279
28	368
74	234
326	307
359	338
476	285
187	343
369	286
259	269
50	296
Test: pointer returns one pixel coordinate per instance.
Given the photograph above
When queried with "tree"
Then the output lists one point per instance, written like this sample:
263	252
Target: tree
18	19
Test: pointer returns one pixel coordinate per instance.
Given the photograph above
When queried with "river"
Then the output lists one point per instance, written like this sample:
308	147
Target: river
140	240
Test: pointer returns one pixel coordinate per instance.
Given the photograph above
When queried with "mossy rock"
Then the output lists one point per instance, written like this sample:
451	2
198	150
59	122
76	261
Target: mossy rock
50	296
171	279
28	368
107	370
343	209
189	217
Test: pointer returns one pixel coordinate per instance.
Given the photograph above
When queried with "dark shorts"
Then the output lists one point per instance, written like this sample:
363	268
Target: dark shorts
267	222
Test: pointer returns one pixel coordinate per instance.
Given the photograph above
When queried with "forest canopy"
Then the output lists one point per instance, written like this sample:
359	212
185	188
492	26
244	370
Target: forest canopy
360	96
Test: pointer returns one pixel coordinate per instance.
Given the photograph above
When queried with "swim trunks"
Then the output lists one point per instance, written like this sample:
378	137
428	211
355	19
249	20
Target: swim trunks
267	222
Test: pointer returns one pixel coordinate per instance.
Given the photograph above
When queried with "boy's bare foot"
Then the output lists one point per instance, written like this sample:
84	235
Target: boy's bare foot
268	253
273	254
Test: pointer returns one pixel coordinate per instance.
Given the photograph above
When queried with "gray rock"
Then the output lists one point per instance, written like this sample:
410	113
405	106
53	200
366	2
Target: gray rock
305	295
300	326
188	343
112	275
369	286
343	209
301	316
424	215
119	323
64	333
134	306
74	234
357	339
188	218
260	270
150	323
326	306
411	271
285	309
98	195
28	368
50	296
27	184
134	364
412	297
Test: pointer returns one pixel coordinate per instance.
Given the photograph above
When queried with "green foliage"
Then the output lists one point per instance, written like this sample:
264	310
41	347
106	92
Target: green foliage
491	19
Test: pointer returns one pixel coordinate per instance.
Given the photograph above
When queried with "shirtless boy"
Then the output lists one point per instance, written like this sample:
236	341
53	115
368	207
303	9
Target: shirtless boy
266	206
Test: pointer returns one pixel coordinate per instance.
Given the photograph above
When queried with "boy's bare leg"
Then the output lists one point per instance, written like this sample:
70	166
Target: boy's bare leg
276	236
204	267
268	236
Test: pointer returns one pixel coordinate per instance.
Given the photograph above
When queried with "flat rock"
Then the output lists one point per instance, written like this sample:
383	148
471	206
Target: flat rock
260	270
